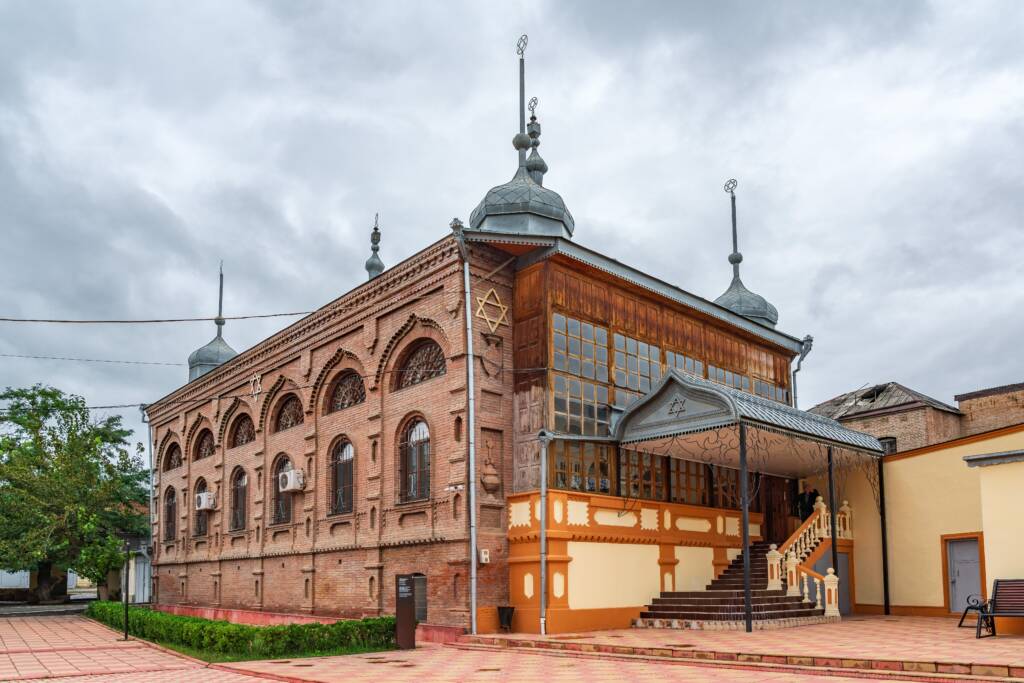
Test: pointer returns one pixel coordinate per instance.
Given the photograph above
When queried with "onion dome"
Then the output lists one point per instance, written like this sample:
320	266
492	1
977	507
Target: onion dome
523	206
216	351
374	266
737	298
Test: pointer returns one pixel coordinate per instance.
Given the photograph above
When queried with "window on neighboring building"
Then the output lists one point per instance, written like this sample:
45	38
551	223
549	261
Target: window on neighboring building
170	513
580	407
172	460
342	466
888	444
348	391
689	482
637	369
290	414
204	446
282	499
243	431
729	378
239	486
684	363
415	461
641	475
580	348
425	361
581	466
200	523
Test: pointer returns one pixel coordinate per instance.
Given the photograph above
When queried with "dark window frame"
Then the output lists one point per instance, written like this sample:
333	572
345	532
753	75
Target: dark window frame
414	461
282	511
170	514
342	478
239	494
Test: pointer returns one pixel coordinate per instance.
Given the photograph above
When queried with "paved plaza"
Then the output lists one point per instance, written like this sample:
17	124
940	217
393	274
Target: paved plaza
77	650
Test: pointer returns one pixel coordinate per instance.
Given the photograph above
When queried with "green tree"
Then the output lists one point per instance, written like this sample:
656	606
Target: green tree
69	487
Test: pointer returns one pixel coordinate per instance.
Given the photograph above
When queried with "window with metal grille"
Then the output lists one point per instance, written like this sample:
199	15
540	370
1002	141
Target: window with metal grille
888	444
425	361
200	524
172	459
282	513
342	471
348	391
239	486
170	513
204	446
289	414
243	431
415	461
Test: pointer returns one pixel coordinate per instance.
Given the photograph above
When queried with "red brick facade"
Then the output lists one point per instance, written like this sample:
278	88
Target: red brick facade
345	564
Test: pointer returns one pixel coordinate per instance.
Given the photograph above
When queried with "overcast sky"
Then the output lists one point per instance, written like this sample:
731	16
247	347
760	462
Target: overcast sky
878	148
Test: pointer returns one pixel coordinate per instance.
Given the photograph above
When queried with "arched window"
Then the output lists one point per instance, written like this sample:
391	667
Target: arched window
415	461
200	526
342	475
173	458
204	446
170	514
348	391
289	414
425	361
239	485
282	499
243	431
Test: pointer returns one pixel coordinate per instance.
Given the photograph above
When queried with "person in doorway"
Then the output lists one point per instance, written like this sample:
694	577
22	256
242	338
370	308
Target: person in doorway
805	501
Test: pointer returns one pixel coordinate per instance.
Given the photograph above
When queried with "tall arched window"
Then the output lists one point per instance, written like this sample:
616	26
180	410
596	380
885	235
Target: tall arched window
204	446
342	475
415	461
348	391
239	486
200	525
170	514
289	414
172	459
425	361
282	499
242	432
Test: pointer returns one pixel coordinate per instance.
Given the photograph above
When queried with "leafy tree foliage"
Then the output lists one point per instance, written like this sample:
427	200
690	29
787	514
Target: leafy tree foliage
68	487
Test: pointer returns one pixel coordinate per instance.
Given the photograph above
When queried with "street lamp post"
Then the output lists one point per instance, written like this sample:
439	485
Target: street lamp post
124	583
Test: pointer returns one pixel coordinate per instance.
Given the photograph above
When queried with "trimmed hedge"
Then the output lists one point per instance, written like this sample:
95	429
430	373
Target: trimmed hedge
244	640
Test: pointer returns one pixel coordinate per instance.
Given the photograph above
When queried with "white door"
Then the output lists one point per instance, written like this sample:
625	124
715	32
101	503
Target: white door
964	572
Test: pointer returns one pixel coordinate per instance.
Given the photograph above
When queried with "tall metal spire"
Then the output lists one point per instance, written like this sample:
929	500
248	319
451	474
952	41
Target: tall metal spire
535	165
219	320
735	258
521	141
216	351
374	266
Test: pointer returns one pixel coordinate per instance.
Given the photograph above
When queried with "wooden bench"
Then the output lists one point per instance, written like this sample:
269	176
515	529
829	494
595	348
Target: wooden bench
1007	601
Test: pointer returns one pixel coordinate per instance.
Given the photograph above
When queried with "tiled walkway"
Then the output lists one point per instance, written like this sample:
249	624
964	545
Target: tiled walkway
439	663
74	648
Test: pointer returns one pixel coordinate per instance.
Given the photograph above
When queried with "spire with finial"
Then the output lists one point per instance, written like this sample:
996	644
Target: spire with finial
374	266
737	298
216	351
523	206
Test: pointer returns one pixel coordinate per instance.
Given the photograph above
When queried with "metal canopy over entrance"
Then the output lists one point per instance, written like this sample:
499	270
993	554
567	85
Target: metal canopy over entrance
691	418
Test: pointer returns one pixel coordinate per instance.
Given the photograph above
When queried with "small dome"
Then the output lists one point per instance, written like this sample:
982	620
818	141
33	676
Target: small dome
742	301
206	358
523	197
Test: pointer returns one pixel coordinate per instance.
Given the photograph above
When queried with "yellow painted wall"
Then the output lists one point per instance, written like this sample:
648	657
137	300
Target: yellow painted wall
695	569
1002	490
603	575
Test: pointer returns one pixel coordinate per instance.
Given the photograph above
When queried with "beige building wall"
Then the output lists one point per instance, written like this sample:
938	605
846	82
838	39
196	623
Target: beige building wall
603	575
1002	487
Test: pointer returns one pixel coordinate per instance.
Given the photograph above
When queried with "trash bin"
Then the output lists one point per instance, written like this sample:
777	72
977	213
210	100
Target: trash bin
505	618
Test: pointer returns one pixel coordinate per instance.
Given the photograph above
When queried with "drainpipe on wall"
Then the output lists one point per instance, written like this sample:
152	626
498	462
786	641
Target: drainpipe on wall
805	348
456	226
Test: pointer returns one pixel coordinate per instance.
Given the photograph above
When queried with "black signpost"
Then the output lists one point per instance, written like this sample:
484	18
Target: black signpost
405	612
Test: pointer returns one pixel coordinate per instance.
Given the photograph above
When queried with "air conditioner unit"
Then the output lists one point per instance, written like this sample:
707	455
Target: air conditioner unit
292	480
205	501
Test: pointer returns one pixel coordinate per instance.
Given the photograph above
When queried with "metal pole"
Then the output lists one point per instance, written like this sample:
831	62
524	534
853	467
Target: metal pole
745	512
471	429
543	533
832	511
124	589
885	535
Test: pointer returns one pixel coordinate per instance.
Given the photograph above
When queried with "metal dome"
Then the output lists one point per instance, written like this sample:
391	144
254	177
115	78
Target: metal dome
213	354
523	206
742	301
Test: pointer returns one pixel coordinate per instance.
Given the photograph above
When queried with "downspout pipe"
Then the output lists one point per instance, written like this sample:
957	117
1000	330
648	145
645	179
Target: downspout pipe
471	426
544	438
805	348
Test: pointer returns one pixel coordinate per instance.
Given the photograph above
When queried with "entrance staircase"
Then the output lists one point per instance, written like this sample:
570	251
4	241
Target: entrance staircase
720	605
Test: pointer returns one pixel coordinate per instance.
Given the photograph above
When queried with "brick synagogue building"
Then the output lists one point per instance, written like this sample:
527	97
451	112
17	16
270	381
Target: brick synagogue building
509	416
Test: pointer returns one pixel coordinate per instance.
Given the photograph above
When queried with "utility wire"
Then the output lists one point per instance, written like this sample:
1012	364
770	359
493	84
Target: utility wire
157	320
90	360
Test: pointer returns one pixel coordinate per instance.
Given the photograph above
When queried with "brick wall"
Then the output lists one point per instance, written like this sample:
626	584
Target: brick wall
909	427
986	412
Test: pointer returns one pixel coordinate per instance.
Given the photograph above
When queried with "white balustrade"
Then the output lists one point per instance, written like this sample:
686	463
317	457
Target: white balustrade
774	558
844	520
806	594
792	581
831	593
820	598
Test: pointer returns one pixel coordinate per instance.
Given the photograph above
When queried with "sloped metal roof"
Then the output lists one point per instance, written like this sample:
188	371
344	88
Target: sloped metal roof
659	414
879	397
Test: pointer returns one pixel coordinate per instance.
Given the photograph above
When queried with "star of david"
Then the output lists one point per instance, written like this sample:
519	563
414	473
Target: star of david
490	309
678	407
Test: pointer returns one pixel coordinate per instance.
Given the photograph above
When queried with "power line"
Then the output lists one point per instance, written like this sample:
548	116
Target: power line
90	360
156	320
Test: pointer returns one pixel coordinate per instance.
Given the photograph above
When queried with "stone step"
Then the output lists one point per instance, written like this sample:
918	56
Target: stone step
733	616
738	600
724	593
719	609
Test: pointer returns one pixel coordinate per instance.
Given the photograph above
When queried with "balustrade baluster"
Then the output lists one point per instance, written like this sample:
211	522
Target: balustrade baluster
820	597
806	595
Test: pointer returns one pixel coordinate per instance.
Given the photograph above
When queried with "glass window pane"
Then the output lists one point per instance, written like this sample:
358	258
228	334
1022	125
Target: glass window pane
587	331
559	322
574	327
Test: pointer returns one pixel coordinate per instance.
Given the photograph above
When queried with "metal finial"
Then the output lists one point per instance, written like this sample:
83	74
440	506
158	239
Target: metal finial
533	107
374	266
521	45
735	258
730	185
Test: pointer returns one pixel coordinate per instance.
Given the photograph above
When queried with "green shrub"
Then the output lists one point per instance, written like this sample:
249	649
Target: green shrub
243	640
